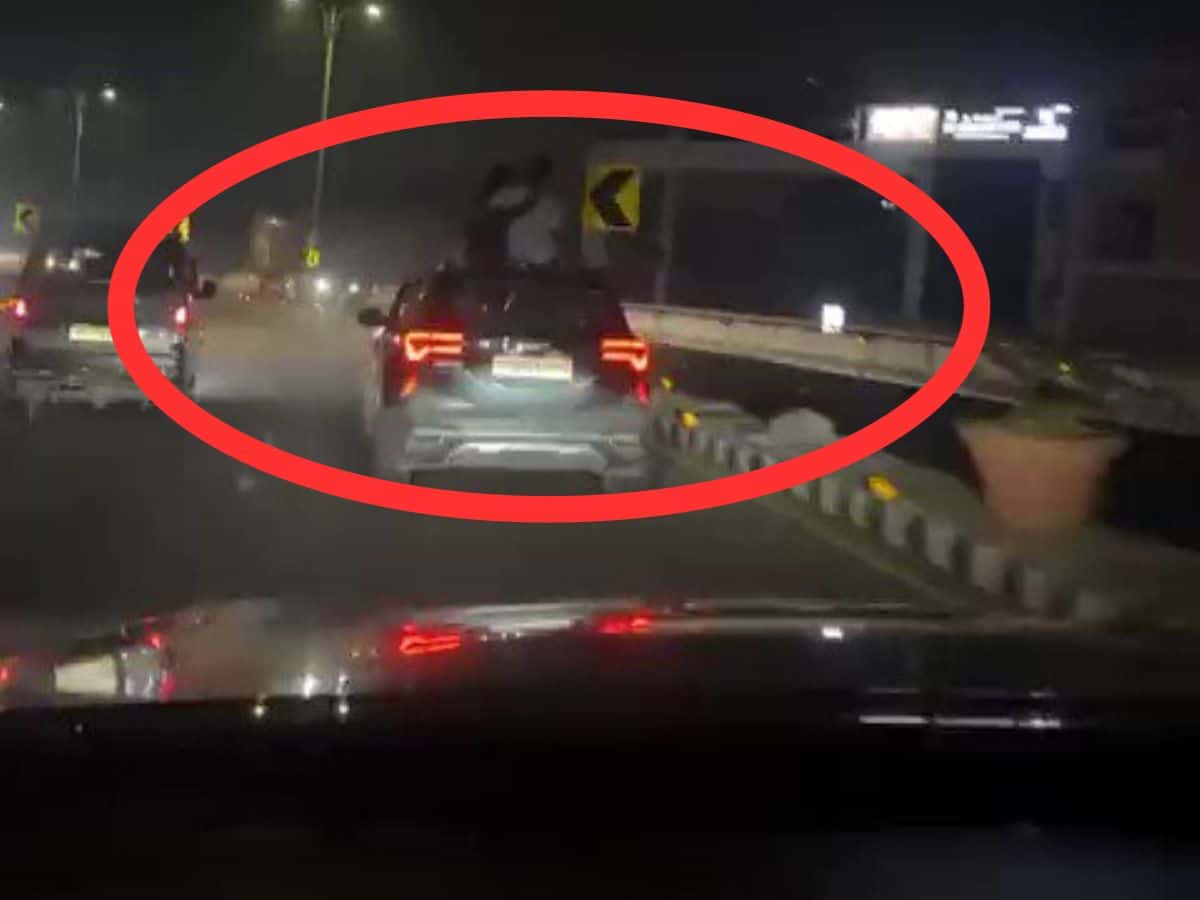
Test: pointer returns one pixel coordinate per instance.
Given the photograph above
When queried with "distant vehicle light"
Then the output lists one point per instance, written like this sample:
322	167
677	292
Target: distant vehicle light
355	287
833	318
323	285
181	317
416	640
309	685
74	265
833	632
51	262
624	623
156	640
374	11
21	309
108	93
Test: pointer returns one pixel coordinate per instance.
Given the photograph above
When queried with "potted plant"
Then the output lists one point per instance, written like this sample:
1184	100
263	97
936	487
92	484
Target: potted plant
1042	464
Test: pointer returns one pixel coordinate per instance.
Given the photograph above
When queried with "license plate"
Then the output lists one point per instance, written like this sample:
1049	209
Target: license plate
82	333
547	368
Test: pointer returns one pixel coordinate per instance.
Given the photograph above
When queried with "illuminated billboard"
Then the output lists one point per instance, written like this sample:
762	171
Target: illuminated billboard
928	124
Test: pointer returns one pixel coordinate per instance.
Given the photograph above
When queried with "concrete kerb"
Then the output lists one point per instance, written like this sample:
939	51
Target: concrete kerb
903	525
864	508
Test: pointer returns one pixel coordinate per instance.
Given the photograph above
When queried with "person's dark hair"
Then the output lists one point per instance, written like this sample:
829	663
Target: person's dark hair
539	168
498	176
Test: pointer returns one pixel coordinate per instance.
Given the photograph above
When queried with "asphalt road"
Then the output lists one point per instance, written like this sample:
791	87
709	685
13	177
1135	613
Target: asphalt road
116	513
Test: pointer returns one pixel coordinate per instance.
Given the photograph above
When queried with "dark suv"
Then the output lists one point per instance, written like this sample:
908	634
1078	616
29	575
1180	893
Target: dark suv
522	370
61	348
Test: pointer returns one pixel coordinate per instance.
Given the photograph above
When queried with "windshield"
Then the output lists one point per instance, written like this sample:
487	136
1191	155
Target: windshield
532	305
829	325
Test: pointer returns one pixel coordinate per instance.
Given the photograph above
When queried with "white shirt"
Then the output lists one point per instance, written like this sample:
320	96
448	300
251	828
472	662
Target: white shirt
509	197
533	238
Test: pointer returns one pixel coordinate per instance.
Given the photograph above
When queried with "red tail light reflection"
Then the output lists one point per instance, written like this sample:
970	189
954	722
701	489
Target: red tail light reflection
20	309
624	623
181	318
641	391
422	641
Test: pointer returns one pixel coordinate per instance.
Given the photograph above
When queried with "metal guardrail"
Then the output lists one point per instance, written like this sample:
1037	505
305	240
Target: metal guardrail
1121	394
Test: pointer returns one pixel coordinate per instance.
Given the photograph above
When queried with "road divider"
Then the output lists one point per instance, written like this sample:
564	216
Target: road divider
928	516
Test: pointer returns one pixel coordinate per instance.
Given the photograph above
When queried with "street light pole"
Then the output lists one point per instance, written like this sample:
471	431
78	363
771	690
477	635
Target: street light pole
80	99
331	26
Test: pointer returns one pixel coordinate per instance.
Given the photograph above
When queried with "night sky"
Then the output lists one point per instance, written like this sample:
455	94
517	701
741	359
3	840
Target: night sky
200	80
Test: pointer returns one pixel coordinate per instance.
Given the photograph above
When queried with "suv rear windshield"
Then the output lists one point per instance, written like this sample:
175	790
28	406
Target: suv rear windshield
534	305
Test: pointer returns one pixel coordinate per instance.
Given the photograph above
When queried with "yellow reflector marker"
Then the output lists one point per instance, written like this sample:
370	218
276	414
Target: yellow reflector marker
667	383
689	419
882	488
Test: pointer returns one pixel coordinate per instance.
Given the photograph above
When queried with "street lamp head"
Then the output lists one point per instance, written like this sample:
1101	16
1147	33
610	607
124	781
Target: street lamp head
373	11
108	93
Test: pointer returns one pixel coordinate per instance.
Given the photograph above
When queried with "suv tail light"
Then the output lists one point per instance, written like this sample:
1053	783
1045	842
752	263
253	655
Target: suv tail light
20	309
631	351
421	345
181	317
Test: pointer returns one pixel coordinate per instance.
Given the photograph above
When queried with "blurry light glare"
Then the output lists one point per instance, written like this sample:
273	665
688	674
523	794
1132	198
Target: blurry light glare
1063	109
323	285
258	710
342	709
833	318
1040	722
108	93
832	632
624	623
892	719
902	123
374	11
51	261
74	265
309	683
355	287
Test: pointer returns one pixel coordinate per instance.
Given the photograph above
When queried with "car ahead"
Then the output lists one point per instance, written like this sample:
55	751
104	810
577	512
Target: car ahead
60	348
523	370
